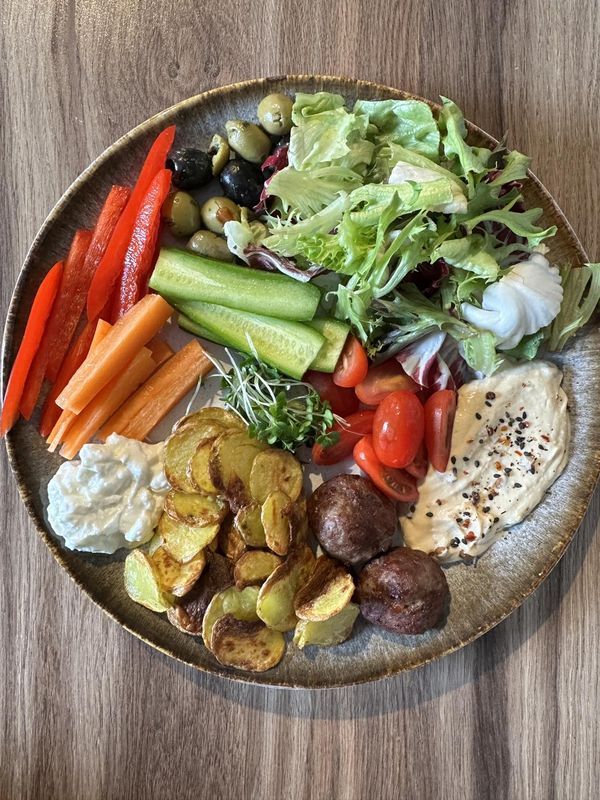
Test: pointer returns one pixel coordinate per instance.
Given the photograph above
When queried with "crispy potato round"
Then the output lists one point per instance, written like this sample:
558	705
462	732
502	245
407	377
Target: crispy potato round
198	468
241	603
230	541
332	631
195	510
351	519
275	470
183	542
175	577
230	463
142	582
254	567
188	613
246	645
276	516
179	449
404	591
328	591
249	525
275	605
221	416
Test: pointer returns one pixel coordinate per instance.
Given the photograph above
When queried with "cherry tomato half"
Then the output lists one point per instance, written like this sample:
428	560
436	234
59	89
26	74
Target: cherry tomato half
382	380
395	483
398	429
440	409
357	425
353	364
418	468
342	401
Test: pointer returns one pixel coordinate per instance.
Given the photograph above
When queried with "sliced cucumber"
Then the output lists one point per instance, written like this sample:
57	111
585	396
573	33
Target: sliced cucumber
192	327
182	276
335	333
290	347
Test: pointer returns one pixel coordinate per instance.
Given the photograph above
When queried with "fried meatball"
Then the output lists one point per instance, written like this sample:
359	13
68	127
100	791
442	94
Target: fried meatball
188	614
404	591
351	519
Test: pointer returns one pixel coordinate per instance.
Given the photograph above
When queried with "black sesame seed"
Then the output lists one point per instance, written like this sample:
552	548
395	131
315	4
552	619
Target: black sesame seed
486	509
481	441
478	415
465	458
532	469
412	509
465	495
490	496
453	459
429	514
476	463
518	485
496	519
454	542
497	475
490	396
524	415
488	404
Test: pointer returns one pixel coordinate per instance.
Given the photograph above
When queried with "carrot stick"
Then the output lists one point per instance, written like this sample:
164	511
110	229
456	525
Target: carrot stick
30	343
118	349
106	402
153	401
66	419
160	350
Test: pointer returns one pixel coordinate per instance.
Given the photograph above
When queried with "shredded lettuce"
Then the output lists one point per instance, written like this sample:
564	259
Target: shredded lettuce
409	123
304	193
454	132
520	223
581	293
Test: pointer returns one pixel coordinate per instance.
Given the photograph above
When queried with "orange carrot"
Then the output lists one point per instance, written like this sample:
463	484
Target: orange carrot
107	401
160	350
117	350
153	401
65	420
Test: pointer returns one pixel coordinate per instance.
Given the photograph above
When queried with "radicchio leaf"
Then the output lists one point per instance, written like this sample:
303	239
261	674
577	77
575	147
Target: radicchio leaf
434	362
261	257
428	277
276	161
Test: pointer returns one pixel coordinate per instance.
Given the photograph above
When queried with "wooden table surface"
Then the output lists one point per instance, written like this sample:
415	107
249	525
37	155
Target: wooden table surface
90	712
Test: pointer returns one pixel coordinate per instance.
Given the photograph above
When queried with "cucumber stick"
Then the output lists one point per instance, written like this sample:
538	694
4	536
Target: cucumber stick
335	333
192	327
289	346
181	276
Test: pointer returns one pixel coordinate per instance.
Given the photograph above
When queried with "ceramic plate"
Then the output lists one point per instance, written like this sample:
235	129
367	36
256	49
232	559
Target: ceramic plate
482	595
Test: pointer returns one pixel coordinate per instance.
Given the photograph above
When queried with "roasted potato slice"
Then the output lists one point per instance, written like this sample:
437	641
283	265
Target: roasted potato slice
142	582
334	630
221	416
175	577
254	567
276	520
230	464
246	645
179	449
327	591
275	605
275	470
189	610
183	542
249	525
155	542
230	541
195	510
241	603
198	471
299	523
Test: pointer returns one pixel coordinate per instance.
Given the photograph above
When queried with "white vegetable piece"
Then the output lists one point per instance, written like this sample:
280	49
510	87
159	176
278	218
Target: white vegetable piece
241	234
404	172
521	303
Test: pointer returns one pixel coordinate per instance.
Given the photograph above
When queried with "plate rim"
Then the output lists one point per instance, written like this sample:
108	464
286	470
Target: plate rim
342	82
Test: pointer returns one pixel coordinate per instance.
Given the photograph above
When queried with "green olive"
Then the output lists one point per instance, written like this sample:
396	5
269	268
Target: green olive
207	243
220	152
181	213
217	211
248	140
275	113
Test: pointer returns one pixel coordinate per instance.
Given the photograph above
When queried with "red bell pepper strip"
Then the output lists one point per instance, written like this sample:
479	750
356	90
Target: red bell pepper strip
57	335
71	363
70	306
109	269
34	331
139	257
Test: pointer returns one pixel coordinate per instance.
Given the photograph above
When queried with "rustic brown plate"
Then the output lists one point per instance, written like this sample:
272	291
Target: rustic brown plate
482	596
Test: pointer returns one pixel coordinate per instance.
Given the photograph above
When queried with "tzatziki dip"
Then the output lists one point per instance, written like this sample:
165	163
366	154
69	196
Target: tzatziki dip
111	497
509	444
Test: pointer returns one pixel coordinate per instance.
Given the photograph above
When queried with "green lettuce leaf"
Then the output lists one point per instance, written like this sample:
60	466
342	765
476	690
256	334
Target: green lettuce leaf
520	223
284	235
409	123
471	160
306	105
514	169
304	193
469	254
528	347
581	294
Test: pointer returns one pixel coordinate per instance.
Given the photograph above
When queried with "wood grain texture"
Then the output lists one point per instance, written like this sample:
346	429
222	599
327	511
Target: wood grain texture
89	711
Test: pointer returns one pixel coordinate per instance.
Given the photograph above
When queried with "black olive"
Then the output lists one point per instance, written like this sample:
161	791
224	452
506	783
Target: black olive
191	168
242	182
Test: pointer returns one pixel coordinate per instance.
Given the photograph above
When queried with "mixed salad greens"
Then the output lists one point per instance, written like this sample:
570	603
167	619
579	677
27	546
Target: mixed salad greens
417	226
